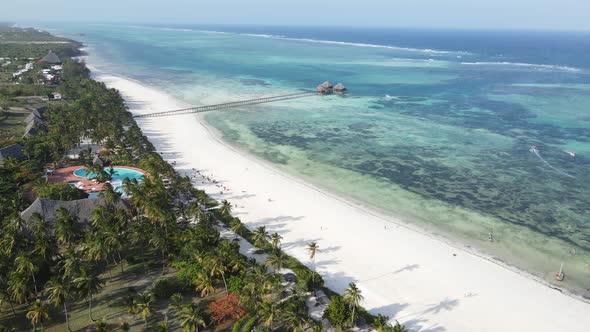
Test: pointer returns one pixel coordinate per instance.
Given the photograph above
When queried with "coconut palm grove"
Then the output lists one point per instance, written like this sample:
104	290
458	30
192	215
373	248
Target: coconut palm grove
154	254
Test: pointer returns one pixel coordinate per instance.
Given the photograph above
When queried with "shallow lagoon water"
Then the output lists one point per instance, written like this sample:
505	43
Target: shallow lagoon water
441	139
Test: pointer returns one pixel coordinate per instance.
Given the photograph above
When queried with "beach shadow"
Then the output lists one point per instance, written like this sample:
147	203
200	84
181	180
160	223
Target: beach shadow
279	218
410	268
239	213
275	227
330	249
420	325
326	262
300	243
390	310
444	305
238	197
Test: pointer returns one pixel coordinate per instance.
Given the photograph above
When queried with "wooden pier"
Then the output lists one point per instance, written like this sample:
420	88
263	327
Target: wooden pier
234	104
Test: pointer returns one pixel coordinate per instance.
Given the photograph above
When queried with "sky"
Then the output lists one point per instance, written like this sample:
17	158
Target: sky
461	14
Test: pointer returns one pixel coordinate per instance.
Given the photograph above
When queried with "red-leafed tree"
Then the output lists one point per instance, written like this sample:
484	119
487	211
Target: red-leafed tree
226	308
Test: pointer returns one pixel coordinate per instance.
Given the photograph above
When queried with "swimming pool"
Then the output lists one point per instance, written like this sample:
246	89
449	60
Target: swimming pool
119	174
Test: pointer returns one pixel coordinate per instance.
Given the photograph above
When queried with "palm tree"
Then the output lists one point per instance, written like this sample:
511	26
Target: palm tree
204	283
269	313
316	326
295	318
237	227
216	267
313	249
381	323
276	260
127	186
17	287
275	240
67	229
163	325
176	301
260	236
58	293
191	317
109	194
195	212
352	297
44	244
88	284
258	283
399	328
70	264
225	208
144	306
9	240
37	314
25	265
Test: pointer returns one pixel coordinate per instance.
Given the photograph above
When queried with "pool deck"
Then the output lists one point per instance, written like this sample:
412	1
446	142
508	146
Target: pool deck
66	175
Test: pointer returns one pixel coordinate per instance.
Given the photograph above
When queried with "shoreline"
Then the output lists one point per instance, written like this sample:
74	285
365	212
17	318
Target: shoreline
383	215
401	312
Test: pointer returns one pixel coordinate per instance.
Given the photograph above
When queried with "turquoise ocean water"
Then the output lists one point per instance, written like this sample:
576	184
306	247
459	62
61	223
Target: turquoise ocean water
437	127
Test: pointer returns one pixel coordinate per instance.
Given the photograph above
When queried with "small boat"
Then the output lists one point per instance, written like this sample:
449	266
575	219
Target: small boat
559	276
533	148
571	153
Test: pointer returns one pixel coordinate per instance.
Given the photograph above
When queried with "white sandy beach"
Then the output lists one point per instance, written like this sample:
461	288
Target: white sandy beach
425	283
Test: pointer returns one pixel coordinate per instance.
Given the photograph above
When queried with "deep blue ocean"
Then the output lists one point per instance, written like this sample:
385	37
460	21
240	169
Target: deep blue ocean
535	47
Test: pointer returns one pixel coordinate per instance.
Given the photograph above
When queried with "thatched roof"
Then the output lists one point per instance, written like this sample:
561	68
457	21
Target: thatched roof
82	208
38	111
12	151
51	58
98	161
326	85
339	87
31	129
33	117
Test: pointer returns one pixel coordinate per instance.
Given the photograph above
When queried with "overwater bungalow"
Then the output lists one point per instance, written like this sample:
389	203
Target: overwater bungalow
325	88
339	88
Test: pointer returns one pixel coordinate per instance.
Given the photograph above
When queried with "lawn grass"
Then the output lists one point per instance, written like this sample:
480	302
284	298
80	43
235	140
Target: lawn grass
109	303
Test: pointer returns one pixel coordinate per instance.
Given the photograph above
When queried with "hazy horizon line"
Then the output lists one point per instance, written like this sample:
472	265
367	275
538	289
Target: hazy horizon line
304	25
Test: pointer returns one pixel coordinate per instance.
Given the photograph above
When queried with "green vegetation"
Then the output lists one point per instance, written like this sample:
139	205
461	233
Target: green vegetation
34	43
60	191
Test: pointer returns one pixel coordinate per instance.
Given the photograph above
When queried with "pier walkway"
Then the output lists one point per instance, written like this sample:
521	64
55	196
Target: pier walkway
234	104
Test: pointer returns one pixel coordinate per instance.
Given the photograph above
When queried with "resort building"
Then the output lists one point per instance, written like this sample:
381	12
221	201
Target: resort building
34	121
51	58
15	151
82	208
98	161
28	67
55	96
325	88
339	88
